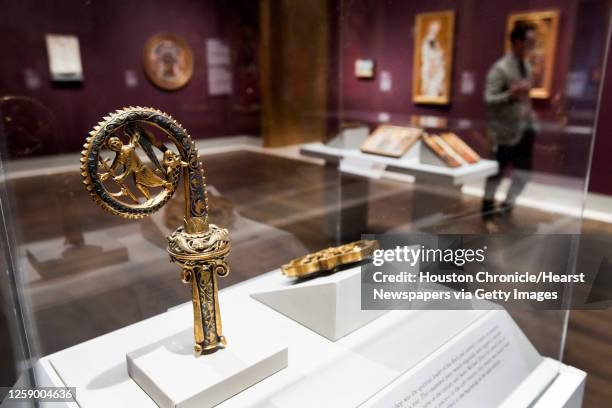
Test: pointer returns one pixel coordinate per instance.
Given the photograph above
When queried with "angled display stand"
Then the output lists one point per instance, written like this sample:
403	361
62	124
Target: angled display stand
383	362
329	305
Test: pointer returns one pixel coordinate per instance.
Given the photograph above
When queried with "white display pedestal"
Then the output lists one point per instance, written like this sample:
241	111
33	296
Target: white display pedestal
380	361
329	305
566	391
207	380
409	164
439	186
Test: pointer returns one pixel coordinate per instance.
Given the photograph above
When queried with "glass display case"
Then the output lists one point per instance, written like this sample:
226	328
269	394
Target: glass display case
280	129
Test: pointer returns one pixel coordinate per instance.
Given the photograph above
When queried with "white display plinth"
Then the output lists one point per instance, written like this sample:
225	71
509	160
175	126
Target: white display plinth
409	164
329	305
399	348
207	380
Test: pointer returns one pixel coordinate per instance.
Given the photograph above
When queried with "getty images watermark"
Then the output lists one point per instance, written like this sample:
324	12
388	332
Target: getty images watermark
472	272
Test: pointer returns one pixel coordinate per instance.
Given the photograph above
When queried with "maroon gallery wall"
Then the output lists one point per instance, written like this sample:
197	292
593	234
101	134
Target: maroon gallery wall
112	34
384	31
601	169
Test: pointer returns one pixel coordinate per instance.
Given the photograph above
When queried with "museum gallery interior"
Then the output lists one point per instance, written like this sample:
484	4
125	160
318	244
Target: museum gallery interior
291	203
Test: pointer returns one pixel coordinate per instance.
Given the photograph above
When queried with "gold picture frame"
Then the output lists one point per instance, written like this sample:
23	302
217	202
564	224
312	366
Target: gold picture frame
168	61
433	57
391	141
542	57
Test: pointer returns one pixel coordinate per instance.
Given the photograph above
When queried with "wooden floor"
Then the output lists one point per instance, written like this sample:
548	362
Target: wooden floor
82	280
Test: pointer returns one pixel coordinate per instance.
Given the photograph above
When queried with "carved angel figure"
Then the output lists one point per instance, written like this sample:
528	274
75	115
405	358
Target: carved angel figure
127	159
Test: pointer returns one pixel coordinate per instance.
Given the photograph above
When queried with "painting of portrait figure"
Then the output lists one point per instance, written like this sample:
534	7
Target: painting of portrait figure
433	55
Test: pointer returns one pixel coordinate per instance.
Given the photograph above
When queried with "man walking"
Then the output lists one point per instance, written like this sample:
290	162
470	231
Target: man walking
512	121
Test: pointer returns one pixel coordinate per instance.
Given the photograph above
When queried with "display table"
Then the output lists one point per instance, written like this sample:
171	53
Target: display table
409	164
438	187
389	360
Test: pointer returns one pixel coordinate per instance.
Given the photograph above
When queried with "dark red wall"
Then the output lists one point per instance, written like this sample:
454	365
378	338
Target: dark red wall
601	169
112	34
384	31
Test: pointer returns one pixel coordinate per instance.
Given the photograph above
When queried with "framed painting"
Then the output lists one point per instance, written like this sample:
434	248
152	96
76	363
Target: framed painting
542	56
433	57
392	141
168	61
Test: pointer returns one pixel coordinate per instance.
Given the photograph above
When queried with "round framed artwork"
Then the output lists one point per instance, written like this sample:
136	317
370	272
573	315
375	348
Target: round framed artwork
168	61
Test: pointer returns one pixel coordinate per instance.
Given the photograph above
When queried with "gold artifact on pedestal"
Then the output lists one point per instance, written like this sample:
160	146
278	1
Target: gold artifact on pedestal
329	259
130	188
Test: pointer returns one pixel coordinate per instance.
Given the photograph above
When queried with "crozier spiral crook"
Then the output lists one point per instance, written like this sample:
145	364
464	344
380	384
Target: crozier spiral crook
123	183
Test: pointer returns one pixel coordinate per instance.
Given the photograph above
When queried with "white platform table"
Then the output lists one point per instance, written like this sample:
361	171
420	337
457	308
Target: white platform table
409	164
437	187
368	367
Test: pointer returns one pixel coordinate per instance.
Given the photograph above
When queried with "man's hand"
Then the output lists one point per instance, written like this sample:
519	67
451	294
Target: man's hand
520	89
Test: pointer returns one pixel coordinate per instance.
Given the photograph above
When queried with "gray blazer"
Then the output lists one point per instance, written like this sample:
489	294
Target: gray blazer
508	117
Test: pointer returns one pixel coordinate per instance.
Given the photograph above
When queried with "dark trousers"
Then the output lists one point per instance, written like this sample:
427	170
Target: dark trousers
520	158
